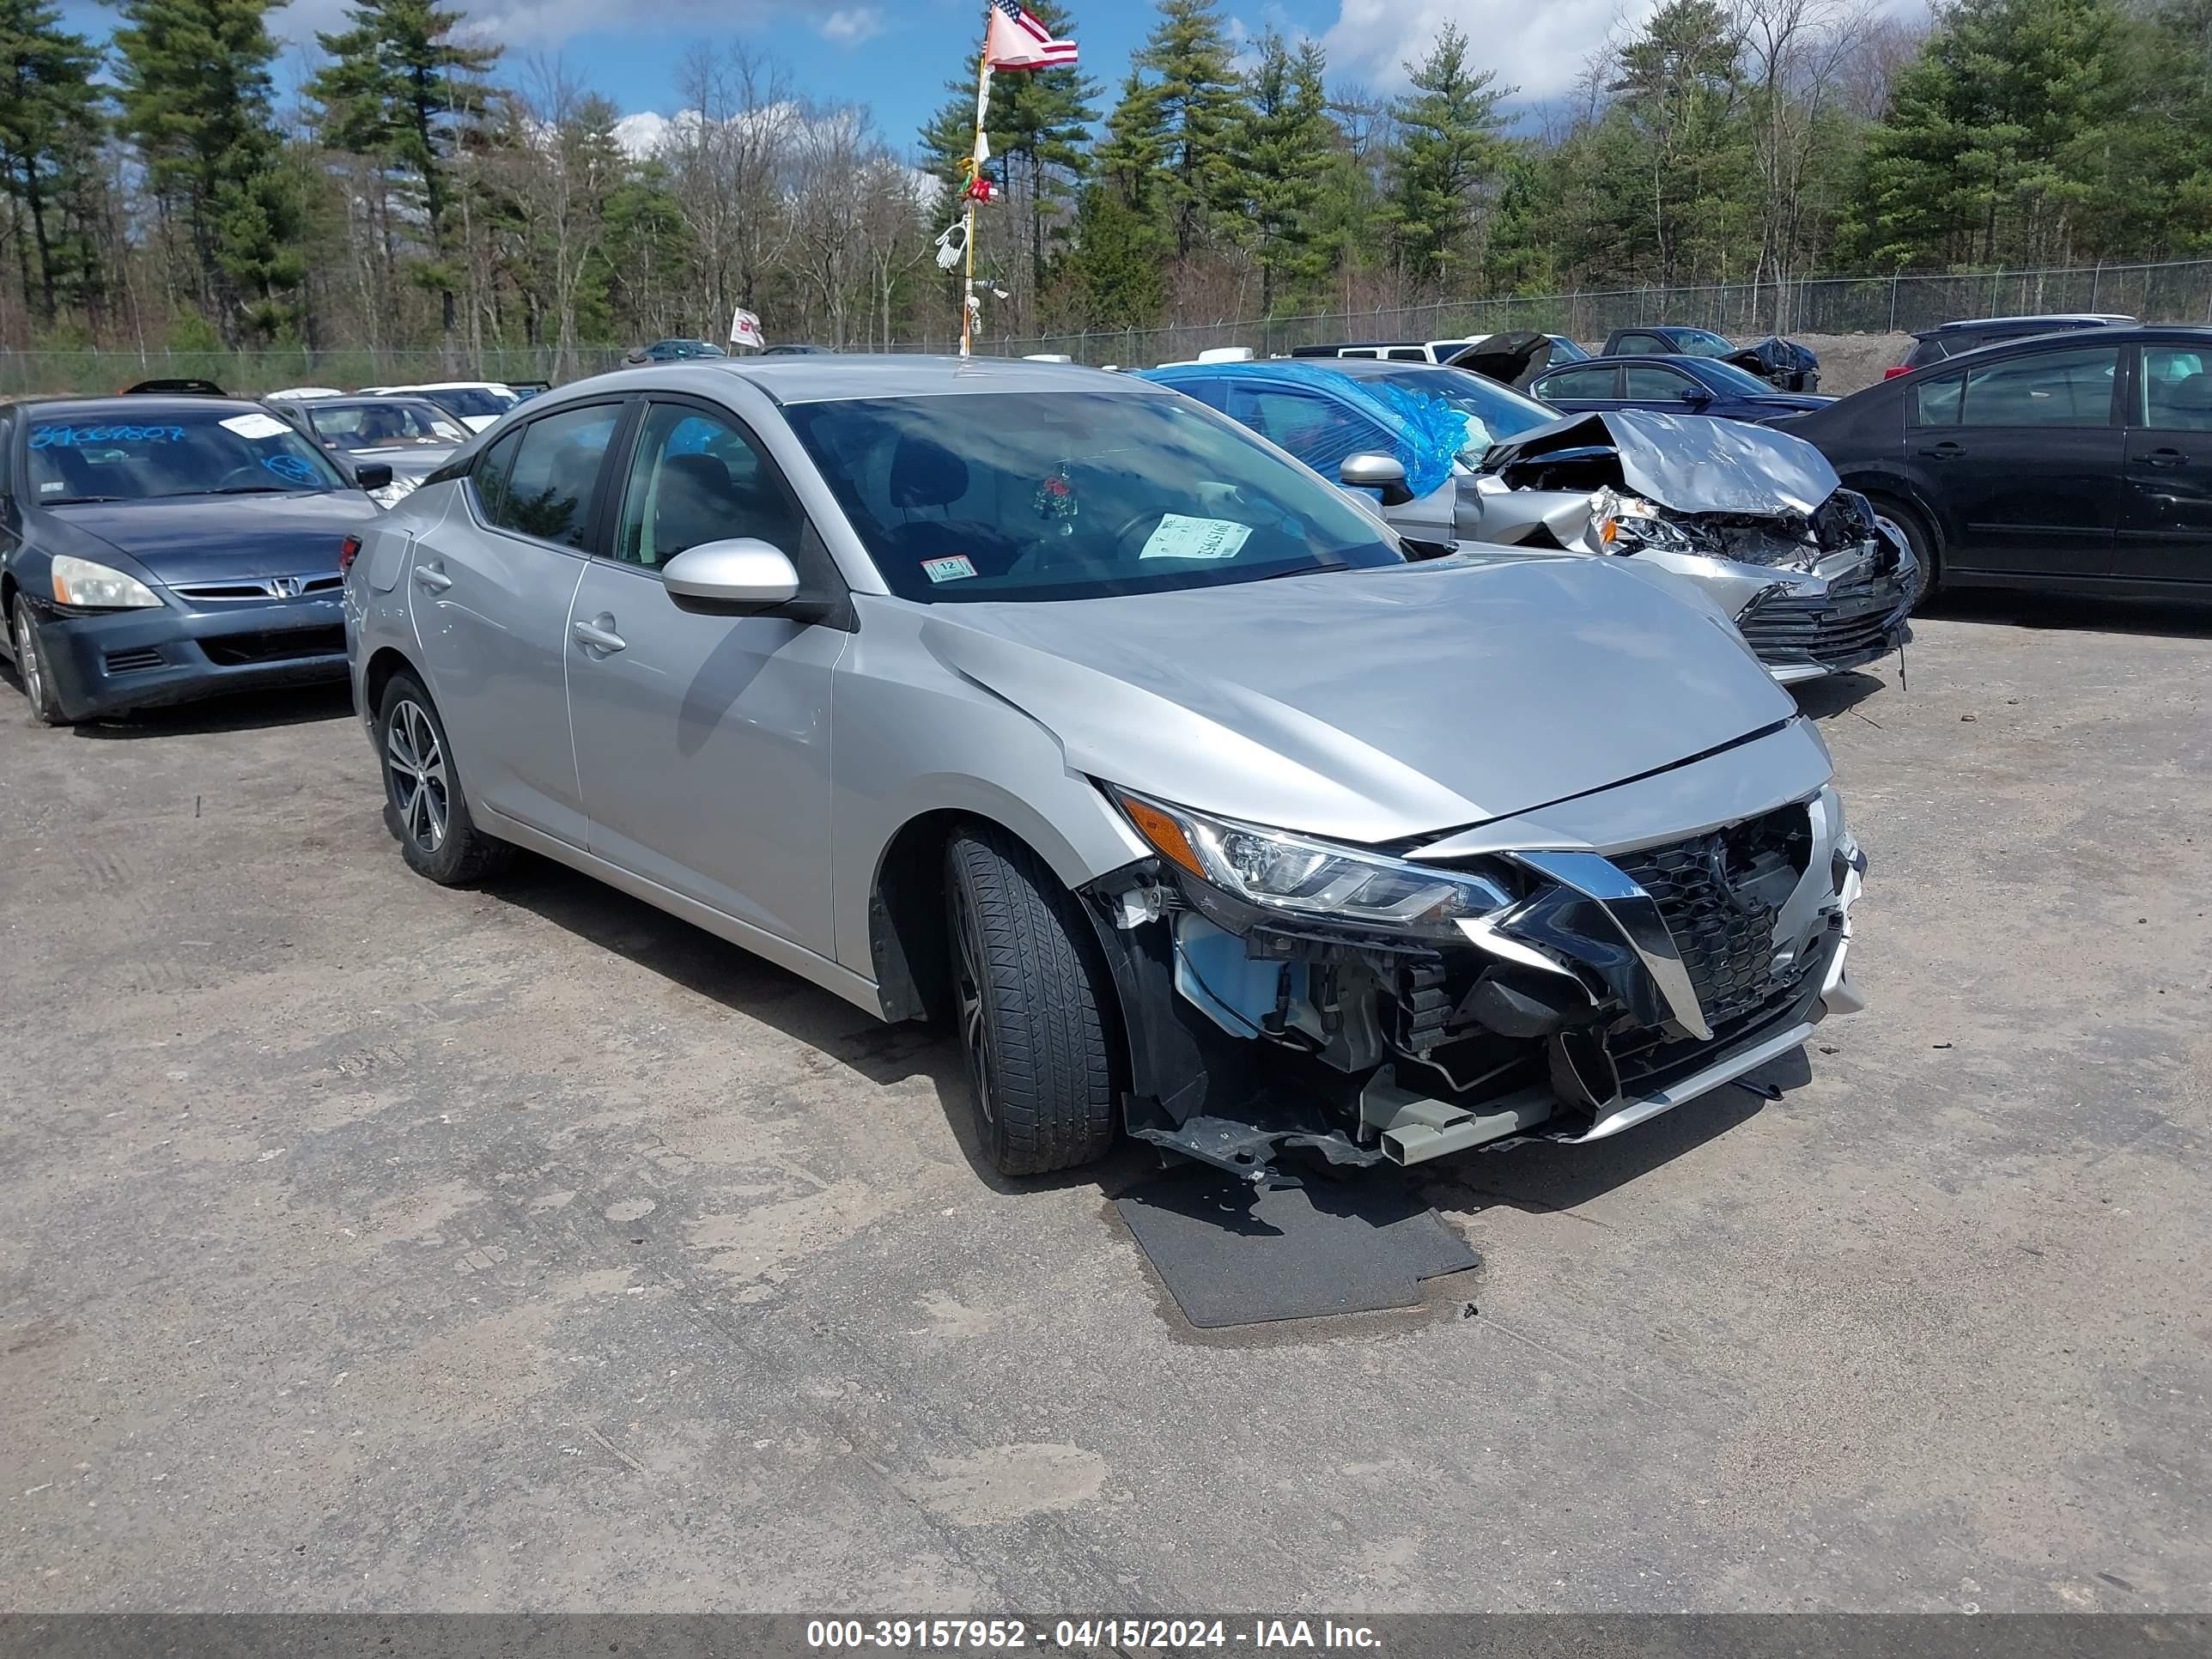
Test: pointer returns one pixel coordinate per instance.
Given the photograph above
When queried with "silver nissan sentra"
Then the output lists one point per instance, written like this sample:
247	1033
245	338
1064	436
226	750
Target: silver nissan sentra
1047	702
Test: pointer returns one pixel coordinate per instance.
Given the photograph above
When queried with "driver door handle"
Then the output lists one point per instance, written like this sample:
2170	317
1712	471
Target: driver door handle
599	638
433	577
2167	457
1946	450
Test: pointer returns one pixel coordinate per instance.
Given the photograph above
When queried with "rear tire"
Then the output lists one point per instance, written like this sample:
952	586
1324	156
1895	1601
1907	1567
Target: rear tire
424	805
1032	1001
1918	535
32	667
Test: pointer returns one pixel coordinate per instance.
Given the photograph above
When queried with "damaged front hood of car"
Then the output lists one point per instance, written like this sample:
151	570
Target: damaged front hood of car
1689	462
1371	705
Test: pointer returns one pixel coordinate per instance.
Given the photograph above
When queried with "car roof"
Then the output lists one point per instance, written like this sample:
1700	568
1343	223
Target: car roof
2080	319
2198	334
823	377
137	407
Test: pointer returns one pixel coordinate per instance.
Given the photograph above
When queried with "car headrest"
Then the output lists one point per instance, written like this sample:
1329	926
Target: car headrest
2192	393
926	474
704	471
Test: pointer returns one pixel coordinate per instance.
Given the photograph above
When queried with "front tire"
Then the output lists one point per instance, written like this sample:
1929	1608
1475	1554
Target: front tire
424	806
1918	535
33	668
1031	1000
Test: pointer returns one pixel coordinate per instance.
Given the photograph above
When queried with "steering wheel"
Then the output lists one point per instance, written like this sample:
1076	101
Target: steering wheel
254	473
1150	519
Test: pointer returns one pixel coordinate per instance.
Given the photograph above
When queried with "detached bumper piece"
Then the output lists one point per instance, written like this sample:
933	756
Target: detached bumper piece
106	661
1611	990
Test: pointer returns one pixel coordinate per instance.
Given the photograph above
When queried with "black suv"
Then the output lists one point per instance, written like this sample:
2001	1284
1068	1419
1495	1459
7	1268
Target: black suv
1933	346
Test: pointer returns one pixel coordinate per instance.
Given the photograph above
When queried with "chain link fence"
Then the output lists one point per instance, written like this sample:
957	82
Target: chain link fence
2180	291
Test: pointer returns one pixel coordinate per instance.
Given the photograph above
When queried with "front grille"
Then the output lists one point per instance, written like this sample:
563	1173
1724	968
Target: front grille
124	662
260	589
1851	624
1719	894
235	650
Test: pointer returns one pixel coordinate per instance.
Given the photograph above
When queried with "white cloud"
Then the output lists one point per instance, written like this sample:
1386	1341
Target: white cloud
850	25
641	134
1539	50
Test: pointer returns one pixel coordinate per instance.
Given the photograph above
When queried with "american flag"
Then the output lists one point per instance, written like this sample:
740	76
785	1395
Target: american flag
1016	40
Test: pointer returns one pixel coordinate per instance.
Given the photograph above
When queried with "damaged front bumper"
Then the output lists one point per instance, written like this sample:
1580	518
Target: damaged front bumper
1624	977
1754	521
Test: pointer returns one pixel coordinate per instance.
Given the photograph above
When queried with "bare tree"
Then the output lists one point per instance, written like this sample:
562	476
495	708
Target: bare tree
894	233
729	153
563	164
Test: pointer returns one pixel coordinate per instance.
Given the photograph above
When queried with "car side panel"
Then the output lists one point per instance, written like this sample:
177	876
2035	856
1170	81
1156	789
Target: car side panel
493	642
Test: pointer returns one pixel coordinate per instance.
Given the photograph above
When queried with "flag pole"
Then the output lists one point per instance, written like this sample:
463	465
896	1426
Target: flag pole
975	171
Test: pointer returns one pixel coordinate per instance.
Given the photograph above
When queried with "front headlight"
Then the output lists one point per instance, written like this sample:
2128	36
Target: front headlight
395	492
89	587
1277	872
1627	524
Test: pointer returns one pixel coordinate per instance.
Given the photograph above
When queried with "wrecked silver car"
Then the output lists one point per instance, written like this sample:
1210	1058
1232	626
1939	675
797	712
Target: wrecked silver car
1049	704
1758	519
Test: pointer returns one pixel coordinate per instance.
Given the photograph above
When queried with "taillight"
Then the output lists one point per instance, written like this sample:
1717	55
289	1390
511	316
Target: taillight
1891	374
347	550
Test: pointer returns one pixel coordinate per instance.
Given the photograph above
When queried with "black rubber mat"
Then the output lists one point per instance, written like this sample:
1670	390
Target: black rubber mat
1230	1254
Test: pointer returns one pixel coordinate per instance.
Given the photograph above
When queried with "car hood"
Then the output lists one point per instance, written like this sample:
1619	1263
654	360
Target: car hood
1787	402
1369	706
201	538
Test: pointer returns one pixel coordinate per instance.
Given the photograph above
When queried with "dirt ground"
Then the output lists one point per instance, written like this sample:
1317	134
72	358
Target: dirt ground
368	1245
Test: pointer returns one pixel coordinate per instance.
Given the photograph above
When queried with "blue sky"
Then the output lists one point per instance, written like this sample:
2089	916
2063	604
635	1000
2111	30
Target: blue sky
895	56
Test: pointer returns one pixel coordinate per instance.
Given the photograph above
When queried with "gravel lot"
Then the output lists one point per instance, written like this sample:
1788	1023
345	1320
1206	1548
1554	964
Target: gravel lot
373	1246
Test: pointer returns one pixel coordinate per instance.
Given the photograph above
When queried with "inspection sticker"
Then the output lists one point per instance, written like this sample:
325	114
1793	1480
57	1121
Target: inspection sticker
256	426
947	570
1181	536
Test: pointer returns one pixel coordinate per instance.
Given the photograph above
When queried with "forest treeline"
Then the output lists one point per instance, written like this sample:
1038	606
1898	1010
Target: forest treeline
417	188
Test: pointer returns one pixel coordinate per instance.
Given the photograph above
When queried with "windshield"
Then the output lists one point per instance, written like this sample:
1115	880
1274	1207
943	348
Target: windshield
1696	342
1565	350
214	451
1493	412
1074	495
476	401
384	426
1727	377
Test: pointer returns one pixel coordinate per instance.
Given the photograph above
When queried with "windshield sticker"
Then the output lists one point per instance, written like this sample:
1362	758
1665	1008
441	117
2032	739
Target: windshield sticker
1179	537
951	569
255	426
70	437
296	468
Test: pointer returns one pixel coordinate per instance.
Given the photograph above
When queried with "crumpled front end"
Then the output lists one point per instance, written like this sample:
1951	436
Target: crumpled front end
1757	519
1552	989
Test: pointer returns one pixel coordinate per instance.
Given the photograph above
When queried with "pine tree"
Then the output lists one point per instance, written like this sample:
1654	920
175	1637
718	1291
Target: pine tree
1449	150
1281	143
1997	135
194	89
1135	146
395	89
1192	105
1039	129
1119	253
1680	122
49	140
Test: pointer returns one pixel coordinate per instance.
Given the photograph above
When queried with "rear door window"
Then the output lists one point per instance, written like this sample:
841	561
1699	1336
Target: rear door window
1651	343
1595	382
549	485
1935	403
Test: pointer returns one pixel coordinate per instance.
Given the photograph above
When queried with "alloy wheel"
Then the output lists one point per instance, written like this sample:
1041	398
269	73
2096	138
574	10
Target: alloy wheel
970	996
26	659
415	762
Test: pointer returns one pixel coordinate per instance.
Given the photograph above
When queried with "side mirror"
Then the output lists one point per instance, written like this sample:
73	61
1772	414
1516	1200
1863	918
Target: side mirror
1381	472
374	476
1696	399
736	578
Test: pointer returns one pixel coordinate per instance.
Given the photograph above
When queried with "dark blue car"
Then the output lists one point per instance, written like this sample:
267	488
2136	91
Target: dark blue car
154	550
1670	385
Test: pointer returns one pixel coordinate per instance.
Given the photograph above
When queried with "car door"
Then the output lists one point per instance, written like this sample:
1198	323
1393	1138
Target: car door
2022	459
2165	510
1582	388
703	742
490	587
